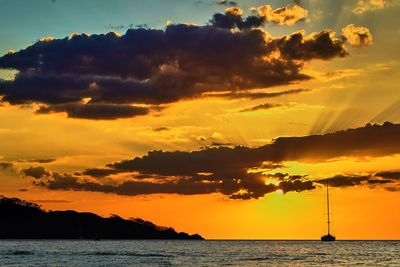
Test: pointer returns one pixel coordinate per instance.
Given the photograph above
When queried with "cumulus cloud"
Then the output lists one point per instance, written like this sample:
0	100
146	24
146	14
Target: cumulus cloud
100	76
235	11
36	172
371	5
298	46
233	19
288	15
238	172
357	36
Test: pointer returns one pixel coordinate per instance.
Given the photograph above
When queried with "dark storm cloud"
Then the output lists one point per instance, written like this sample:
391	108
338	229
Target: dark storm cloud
96	111
148	66
225	170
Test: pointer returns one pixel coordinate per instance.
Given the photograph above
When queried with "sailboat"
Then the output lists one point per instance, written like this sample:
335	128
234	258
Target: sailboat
328	237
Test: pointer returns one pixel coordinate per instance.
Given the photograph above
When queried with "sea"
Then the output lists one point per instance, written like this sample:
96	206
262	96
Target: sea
198	253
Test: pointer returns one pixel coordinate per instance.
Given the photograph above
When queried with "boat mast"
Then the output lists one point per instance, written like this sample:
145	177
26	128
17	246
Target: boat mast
327	203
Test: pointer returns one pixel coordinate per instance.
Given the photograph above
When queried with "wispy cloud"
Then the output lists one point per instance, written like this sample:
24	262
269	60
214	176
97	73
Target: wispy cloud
371	5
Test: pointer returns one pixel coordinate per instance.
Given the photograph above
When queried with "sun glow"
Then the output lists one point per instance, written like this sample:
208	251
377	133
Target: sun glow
271	181
279	191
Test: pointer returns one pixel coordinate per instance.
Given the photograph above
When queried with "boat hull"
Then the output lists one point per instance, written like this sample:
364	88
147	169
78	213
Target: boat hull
328	238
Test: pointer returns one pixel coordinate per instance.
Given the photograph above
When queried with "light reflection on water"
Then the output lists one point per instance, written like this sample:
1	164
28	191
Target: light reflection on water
198	253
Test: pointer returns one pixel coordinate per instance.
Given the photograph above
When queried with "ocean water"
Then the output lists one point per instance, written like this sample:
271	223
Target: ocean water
198	253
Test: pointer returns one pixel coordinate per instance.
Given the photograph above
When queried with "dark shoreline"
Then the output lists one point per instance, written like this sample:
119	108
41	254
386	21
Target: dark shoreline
25	220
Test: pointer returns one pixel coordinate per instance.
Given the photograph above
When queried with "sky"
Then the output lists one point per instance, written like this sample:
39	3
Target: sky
223	118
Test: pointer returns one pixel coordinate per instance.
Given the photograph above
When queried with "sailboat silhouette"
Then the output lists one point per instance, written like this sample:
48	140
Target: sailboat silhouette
328	237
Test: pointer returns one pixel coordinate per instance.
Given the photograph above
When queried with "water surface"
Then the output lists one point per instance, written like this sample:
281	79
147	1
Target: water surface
198	253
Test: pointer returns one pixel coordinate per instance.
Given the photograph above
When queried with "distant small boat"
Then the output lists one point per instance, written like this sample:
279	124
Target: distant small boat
328	237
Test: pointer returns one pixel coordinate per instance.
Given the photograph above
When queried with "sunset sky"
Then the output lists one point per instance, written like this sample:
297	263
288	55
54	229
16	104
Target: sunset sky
223	118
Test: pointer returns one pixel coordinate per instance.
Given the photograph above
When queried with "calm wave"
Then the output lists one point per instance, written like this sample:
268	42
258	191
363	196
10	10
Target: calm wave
198	253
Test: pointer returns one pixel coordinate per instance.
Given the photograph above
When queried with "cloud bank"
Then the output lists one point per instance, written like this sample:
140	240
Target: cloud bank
108	76
237	172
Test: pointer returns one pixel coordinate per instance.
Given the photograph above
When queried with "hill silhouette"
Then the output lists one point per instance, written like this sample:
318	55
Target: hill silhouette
21	219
